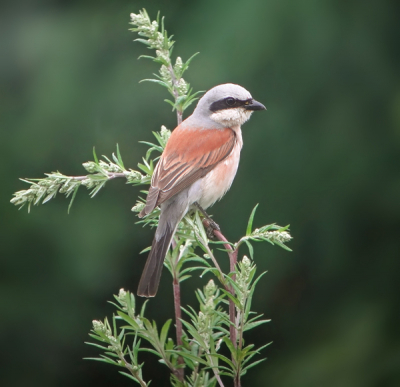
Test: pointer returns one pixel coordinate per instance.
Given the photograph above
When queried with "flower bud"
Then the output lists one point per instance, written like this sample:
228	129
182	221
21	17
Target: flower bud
122	293
138	207
210	289
90	166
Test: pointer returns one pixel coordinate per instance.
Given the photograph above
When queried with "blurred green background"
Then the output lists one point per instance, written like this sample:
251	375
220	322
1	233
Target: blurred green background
324	158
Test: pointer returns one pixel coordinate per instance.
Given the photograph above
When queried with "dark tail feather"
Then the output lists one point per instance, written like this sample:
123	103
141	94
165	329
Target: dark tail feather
151	275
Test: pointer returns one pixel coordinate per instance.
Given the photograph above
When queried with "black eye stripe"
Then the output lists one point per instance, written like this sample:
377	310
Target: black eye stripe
228	103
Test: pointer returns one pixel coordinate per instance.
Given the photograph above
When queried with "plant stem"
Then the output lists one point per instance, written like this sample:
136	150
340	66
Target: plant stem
232	263
129	367
215	370
236	381
110	175
179	113
178	315
178	324
209	252
232	253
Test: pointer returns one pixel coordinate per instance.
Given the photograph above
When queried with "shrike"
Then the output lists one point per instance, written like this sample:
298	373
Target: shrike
197	167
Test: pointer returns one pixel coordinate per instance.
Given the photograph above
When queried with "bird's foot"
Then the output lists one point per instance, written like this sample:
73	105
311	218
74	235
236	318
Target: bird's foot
211	227
209	224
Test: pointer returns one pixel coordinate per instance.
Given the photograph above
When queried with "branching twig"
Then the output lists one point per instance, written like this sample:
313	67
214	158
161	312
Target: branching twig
232	263
178	314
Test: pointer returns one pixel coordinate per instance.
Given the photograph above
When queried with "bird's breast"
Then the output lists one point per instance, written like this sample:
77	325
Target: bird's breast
216	183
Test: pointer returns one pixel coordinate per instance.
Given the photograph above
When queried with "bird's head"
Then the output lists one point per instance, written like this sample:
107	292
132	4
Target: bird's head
228	105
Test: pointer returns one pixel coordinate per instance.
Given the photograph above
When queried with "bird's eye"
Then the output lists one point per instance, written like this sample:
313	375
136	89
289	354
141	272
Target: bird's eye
230	101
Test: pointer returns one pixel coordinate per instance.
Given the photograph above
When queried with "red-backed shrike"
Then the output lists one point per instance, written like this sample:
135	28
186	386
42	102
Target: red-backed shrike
197	166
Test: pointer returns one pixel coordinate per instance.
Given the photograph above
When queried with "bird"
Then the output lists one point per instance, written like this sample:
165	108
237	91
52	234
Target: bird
196	168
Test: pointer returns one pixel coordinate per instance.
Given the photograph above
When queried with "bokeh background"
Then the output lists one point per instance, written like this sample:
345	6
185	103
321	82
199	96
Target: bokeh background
324	158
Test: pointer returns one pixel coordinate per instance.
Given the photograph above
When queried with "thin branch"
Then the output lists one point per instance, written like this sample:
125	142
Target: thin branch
209	252
178	314
110	176
232	263
180	373
215	370
131	370
179	113
233	253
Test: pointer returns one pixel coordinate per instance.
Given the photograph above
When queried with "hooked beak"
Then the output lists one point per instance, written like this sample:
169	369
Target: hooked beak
254	105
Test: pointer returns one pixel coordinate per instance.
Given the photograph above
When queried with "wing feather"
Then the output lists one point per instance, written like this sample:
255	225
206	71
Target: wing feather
189	155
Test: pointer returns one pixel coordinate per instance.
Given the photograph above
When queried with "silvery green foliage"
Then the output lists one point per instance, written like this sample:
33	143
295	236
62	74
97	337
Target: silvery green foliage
206	335
100	171
113	341
170	75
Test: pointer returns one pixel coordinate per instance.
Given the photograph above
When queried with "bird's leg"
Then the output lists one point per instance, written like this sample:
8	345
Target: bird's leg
212	225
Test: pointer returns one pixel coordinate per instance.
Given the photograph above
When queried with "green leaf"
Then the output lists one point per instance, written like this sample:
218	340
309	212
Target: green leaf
120	162
129	376
143	309
184	277
96	345
190	356
250	296
49	196
251	354
245	369
73	197
193	331
283	246
250	247
144	41
151	351
144	168
225	360
250	223
106	360
284	228
191	314
171	103
147	57
201	227
186	65
133	324
252	325
188	102
164	332
153	146
180	99
95	156
97	189
233	298
156	81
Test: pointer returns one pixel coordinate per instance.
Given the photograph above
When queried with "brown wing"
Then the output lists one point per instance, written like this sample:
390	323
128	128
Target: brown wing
189	155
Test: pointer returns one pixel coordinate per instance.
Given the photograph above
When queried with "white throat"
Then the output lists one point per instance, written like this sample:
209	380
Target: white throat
231	117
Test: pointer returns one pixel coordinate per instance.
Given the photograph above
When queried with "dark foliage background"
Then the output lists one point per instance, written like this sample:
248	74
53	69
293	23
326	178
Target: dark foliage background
324	158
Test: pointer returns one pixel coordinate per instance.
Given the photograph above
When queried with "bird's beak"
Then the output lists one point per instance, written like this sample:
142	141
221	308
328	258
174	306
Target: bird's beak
254	105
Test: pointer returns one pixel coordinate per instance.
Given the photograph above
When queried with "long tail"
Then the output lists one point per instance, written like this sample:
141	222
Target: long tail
172	211
151	275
